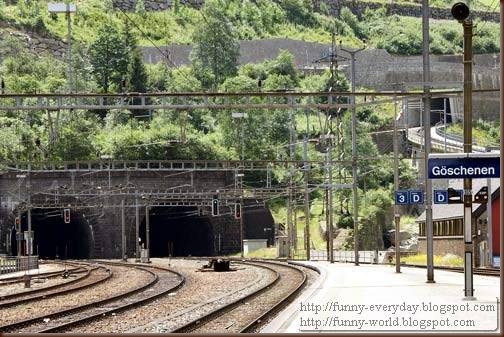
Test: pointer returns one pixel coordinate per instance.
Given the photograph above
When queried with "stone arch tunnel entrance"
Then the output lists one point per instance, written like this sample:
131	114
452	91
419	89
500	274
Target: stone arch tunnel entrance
178	231
53	238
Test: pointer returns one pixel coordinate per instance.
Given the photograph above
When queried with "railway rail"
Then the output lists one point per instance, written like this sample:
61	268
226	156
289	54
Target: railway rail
244	314
163	281
93	275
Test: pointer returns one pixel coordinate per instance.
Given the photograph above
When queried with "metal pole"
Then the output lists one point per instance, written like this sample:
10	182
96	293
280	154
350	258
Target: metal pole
147	232
306	195
69	47
444	110
123	232
137	228
29	238
355	191
489	224
501	222
330	203
242	236
18	234
468	251
290	225
241	222
354	167
427	140
397	218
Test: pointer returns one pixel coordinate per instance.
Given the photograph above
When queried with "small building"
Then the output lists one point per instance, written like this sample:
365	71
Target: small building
448	225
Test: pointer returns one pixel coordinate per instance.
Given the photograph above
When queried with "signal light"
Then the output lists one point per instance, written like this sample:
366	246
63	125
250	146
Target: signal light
215	206
237	211
66	215
17	224
482	196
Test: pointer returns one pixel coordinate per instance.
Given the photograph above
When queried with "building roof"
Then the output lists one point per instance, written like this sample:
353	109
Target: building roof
453	211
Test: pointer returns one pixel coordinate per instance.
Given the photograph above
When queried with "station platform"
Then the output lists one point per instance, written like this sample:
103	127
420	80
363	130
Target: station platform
348	298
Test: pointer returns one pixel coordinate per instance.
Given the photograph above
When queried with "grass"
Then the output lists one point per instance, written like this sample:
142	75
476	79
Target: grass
448	260
482	135
263	253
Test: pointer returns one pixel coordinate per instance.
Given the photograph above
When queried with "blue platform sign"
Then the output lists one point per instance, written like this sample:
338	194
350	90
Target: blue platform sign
464	167
440	196
416	197
402	197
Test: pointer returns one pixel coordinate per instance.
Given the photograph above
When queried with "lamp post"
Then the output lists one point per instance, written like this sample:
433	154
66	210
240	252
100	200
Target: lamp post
354	154
68	9
460	11
427	141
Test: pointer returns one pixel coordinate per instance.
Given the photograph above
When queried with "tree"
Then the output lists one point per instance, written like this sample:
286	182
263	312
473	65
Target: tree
216	49
137	73
109	58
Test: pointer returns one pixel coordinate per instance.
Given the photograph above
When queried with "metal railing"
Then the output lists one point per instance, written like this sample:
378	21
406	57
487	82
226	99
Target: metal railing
365	256
12	264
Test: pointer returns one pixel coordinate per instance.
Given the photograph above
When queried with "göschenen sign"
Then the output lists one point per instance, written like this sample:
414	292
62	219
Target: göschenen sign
460	166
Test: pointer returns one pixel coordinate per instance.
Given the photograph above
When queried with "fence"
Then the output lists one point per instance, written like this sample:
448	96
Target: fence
11	264
365	256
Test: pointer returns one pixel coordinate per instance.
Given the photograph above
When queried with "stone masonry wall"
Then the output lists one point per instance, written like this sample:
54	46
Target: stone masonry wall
333	6
36	43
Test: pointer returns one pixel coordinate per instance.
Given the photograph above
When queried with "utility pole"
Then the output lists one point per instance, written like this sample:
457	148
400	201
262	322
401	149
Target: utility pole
306	192
147	232
241	116
397	217
123	232
444	117
137	228
427	141
292	149
330	202
355	189
68	9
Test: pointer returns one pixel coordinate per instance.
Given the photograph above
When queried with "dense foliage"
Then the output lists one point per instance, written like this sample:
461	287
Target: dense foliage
107	58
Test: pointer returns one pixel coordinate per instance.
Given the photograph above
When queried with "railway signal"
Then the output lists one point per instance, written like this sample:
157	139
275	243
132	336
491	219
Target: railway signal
66	215
237	211
17	224
215	206
482	196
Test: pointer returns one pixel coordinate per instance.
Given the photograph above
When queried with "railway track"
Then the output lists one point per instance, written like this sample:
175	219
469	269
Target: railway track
244	314
93	275
476	271
163	281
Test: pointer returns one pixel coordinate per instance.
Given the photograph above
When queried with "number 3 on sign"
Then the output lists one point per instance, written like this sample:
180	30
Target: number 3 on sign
401	197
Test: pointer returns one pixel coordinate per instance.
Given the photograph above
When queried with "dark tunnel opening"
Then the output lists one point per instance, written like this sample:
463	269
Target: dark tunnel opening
178	231
53	238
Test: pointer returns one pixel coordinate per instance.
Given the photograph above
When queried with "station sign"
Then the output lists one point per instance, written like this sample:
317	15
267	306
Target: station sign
407	197
464	165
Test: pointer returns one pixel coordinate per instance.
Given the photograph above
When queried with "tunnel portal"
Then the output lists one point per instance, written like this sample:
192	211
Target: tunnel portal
178	231
53	238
